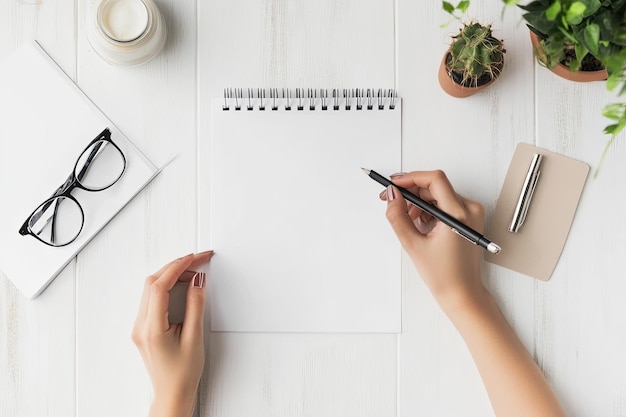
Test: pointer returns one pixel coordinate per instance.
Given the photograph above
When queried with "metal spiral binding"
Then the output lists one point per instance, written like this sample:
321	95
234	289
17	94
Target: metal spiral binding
273	94
298	98
312	93
287	100
261	97
250	96
381	106
299	95
347	96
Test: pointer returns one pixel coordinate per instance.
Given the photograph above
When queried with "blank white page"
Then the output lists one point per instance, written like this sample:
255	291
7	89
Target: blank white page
300	236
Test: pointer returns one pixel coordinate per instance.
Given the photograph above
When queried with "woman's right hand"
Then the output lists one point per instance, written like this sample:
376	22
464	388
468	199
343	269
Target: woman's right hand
449	264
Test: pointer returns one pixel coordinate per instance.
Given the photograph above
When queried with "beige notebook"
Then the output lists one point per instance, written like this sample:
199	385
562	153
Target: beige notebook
535	248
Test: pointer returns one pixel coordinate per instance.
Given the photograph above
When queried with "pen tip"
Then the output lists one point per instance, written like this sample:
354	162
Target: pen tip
367	171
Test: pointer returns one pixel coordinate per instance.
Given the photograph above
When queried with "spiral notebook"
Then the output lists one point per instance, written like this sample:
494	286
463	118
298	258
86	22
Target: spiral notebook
300	236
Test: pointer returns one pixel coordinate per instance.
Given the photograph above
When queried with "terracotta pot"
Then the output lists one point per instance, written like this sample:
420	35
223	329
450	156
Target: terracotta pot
455	90
564	72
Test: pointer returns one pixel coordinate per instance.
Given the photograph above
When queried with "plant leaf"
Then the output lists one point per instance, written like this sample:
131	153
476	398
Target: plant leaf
581	52
463	5
612	82
592	37
614	111
592	6
575	13
539	22
553	11
448	7
610	129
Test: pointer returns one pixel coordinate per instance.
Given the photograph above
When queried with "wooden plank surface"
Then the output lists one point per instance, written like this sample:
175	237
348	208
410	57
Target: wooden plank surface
580	323
37	338
154	105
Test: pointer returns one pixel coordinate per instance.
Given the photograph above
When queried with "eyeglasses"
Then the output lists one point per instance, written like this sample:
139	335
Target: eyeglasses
59	220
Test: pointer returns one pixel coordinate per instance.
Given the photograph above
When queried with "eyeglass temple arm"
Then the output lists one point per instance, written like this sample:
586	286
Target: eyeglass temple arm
92	155
36	216
54	224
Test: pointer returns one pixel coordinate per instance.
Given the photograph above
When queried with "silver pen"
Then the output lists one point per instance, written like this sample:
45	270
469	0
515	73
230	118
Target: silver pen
526	194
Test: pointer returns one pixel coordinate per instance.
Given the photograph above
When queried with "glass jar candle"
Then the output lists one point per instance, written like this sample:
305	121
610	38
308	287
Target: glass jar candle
126	32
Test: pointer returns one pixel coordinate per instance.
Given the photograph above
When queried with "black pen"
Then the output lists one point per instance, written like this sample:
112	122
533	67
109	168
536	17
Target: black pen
457	227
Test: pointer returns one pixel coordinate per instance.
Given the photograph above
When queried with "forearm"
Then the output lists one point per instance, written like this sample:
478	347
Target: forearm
514	383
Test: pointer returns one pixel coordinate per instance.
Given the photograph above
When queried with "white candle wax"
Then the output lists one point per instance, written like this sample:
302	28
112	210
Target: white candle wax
124	20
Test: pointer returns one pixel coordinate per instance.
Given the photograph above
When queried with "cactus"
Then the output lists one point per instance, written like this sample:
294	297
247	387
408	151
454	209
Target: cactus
475	56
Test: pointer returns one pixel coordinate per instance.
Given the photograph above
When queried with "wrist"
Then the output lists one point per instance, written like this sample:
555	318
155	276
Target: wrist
461	302
172	407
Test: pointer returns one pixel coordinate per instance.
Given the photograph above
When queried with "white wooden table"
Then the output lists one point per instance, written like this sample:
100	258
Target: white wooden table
69	353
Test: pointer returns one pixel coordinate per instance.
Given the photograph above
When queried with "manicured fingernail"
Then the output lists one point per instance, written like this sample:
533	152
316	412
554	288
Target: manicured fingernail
206	252
182	258
198	280
187	275
390	193
397	175
382	194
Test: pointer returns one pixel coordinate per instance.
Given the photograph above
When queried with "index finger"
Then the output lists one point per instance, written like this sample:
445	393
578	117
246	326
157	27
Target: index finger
199	259
437	183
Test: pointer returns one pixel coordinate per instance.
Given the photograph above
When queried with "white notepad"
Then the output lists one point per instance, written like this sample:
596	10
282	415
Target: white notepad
300	237
45	123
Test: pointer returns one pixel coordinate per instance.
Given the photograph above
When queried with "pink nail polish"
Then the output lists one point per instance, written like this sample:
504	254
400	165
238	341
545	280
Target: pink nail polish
198	280
382	194
390	193
397	175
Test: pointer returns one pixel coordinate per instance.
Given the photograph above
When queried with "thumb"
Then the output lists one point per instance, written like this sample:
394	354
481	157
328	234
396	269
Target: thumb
400	220
193	326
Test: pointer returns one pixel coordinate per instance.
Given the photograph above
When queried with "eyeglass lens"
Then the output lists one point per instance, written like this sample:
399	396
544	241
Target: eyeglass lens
57	221
99	166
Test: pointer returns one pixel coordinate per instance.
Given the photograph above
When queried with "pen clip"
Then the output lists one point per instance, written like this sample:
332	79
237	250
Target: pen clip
526	194
458	232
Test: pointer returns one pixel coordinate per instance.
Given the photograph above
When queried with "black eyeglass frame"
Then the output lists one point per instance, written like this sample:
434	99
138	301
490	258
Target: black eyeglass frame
72	182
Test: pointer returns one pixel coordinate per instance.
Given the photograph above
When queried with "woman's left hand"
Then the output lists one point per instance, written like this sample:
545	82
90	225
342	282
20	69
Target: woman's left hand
173	353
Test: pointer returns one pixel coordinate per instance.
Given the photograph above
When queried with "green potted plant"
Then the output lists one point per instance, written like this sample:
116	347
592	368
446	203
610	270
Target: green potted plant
582	40
474	59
